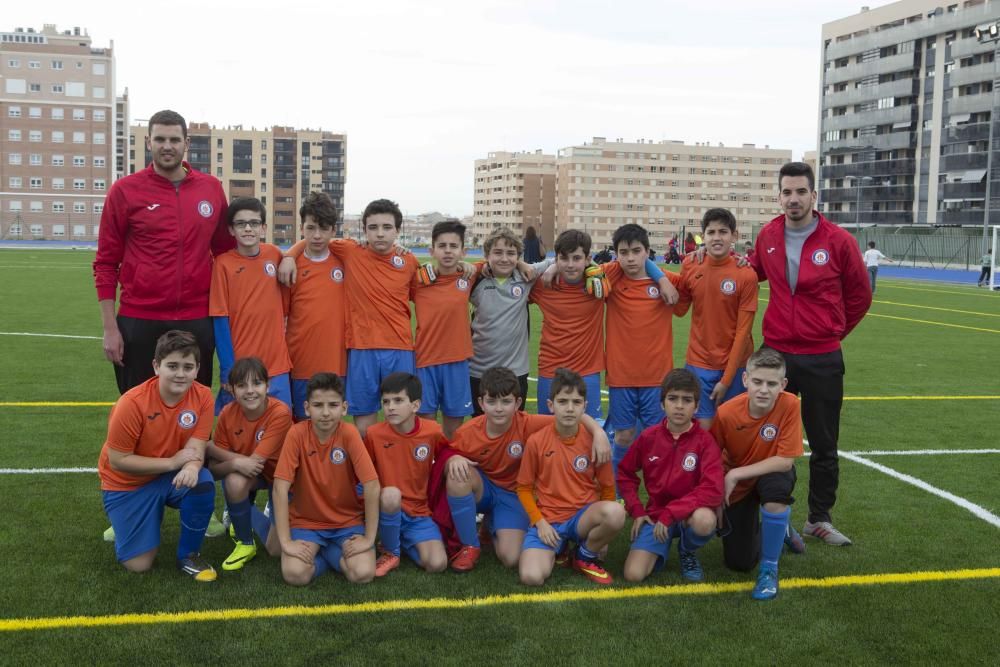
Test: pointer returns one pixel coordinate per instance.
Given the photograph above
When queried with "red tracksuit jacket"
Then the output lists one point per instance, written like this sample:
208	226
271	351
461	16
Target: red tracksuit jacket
680	476
158	243
831	296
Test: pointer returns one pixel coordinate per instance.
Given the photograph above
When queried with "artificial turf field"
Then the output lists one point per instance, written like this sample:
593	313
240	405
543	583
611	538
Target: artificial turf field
920	584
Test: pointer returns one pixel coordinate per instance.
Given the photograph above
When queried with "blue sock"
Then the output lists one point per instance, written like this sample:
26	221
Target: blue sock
331	555
772	536
463	513
320	564
414	553
389	526
261	524
195	509
239	514
585	553
691	541
617	454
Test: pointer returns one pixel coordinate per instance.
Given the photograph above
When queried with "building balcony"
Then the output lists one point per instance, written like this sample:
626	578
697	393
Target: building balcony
870	217
869	193
962	162
897	63
963	76
852	96
968	104
876	170
869	118
873	142
965	132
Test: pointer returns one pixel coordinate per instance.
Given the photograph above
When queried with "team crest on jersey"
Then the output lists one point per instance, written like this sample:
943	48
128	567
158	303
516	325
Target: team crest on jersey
690	462
421	452
270	269
581	463
653	291
821	257
769	432
259	435
337	275
205	208
462	284
398	261
515	449
187	419
337	456
517	291
728	286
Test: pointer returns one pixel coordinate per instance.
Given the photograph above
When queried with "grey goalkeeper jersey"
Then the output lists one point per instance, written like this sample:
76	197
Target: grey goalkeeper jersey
500	322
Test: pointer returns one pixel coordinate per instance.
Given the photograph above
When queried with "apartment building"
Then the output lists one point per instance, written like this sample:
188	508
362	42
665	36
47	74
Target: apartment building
907	102
279	165
62	133
514	190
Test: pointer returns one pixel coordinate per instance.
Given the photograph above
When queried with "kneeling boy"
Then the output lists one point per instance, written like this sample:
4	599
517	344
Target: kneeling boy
321	523
682	469
153	457
557	484
760	434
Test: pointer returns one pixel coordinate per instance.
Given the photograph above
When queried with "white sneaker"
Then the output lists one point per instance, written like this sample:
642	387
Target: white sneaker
825	531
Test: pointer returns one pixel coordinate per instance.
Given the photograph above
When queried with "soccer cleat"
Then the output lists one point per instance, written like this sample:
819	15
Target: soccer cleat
563	557
825	531
242	554
386	563
593	570
691	566
215	527
109	534
197	567
767	584
465	559
794	541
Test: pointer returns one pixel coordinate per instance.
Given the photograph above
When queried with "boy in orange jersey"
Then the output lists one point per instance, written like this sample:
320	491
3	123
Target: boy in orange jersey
153	457
760	434
244	453
444	339
246	304
316	330
724	297
557	485
403	448
377	283
319	519
482	477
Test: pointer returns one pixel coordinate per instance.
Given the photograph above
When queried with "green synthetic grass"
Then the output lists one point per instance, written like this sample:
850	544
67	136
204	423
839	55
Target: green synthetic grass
56	563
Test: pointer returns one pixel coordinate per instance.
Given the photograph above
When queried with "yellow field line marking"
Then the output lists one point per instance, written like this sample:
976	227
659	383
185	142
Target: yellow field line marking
940	324
112	620
947	310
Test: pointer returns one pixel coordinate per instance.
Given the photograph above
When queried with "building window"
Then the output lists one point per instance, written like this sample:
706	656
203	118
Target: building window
79	184
218	172
79	230
34	112
58	113
13	112
35	87
36	231
35	135
99	92
98	208
98	69
99	115
57	64
13	63
14	182
99	184
58	160
58	207
99	161
58	231
14	206
14	158
13	135
58	136
79	114
79	137
263	144
35	207
58	184
218	142
57	88
35	183
79	207
99	138
79	161
34	64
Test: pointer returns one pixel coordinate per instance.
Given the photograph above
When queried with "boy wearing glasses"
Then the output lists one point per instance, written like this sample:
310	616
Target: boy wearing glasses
246	304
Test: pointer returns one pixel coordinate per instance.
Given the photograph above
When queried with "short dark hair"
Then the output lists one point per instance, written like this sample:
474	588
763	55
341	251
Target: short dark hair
871	244
245	204
499	381
400	381
570	240
448	227
680	379
766	357
629	233
321	208
383	206
567	379
723	215
797	169
176	340
247	369
324	382
168	117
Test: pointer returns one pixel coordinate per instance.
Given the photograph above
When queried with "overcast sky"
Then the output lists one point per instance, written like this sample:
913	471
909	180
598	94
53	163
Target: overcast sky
424	88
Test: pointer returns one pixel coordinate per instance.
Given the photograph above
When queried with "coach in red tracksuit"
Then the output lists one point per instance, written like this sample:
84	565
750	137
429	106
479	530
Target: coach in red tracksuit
159	231
819	292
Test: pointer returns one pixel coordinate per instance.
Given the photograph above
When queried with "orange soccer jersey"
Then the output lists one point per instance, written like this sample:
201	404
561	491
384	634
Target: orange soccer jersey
720	292
142	424
263	437
745	440
443	331
640	345
316	330
246	290
404	461
323	476
557	478
499	458
572	329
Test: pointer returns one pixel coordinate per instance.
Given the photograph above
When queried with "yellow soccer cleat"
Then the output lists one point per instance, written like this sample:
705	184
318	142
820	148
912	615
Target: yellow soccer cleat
197	567
242	554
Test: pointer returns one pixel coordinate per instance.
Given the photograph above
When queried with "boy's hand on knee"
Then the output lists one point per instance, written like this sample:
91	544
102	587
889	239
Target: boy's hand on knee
458	468
661	532
547	534
186	477
638	524
356	544
298	549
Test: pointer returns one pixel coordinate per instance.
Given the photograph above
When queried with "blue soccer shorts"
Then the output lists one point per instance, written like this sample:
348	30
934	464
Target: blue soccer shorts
503	507
568	530
446	388
708	379
324	538
367	370
645	541
629	406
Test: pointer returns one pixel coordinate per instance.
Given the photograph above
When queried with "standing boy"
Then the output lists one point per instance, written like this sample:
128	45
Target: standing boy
872	259
318	517
403	448
987	268
760	434
558	487
682	470
247	307
153	458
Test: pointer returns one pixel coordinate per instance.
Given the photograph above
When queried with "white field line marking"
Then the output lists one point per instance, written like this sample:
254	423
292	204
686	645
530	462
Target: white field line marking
47	335
977	510
45	471
604	392
922	452
47	267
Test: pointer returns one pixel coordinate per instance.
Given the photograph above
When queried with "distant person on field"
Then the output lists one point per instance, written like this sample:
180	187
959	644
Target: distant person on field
534	249
987	264
690	245
872	257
